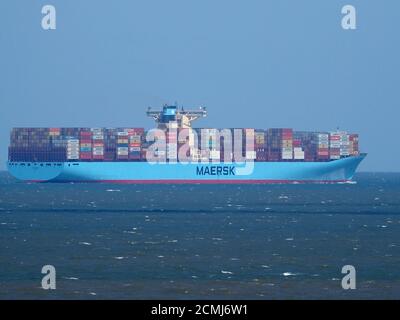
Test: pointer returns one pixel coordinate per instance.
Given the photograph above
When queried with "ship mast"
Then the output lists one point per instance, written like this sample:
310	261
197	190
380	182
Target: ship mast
171	116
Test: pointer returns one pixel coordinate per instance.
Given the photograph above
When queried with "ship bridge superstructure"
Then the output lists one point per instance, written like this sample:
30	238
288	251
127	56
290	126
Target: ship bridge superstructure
172	117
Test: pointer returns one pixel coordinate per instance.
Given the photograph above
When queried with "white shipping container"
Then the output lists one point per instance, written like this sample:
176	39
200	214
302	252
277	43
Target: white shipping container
172	125
299	155
297	149
214	154
287	155
172	148
250	155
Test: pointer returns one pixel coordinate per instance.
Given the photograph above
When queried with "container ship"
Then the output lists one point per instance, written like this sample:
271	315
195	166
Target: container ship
176	152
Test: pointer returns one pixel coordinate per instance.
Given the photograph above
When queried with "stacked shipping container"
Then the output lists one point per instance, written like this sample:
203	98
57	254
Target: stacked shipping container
274	141
85	140
260	145
287	144
323	146
128	144
98	143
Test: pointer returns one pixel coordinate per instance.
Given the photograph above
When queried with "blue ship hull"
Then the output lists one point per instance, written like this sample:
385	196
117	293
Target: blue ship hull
143	172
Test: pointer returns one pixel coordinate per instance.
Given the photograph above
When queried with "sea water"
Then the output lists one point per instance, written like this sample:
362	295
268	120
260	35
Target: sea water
110	241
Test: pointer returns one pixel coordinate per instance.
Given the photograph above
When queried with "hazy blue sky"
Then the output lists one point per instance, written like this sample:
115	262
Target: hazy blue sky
251	63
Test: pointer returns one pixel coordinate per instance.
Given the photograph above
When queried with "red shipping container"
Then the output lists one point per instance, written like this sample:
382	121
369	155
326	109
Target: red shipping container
138	131
296	143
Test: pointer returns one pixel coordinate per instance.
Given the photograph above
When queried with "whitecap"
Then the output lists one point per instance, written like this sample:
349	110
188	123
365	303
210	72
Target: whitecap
113	190
288	274
226	272
85	243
